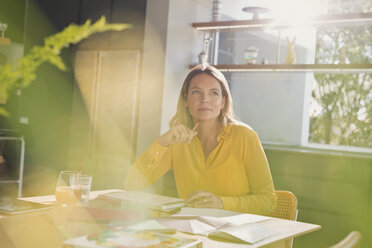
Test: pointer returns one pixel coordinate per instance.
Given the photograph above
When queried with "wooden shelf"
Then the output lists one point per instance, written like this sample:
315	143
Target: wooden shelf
317	21
317	68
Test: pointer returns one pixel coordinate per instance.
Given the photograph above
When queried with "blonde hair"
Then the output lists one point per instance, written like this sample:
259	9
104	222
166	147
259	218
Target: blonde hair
183	116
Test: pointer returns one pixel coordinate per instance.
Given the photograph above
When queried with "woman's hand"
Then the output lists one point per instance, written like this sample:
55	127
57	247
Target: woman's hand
178	134
203	199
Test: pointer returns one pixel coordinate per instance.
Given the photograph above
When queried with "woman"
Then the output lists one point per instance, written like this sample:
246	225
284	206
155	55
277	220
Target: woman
217	161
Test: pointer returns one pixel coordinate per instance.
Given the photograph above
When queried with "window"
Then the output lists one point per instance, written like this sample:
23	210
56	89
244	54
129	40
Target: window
341	106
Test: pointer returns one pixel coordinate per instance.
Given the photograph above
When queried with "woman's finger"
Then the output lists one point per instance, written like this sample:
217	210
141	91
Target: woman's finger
197	196
191	135
180	134
187	134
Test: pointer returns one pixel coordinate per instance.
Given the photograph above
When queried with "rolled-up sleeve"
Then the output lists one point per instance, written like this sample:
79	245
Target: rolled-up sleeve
148	167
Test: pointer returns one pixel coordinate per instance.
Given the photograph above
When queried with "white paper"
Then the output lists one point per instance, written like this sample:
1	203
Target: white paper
187	225
250	233
235	220
218	217
203	225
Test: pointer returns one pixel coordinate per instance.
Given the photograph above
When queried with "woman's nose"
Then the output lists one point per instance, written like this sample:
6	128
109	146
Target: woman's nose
204	98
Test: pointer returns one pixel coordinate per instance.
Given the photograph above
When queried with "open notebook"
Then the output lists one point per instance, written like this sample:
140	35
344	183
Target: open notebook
143	199
241	228
16	206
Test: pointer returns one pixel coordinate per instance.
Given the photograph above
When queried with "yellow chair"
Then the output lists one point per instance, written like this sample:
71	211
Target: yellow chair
286	208
352	240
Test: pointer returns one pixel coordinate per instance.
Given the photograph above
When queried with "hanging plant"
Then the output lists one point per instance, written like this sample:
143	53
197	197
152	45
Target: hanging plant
24	72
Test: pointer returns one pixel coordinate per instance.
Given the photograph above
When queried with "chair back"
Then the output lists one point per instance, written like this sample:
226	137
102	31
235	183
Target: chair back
352	240
286	207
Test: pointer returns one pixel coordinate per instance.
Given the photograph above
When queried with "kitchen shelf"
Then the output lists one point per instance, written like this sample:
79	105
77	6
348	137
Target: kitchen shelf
317	68
316	21
351	19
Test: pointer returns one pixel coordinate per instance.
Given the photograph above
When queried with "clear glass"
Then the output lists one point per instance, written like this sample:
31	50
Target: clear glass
68	190
84	182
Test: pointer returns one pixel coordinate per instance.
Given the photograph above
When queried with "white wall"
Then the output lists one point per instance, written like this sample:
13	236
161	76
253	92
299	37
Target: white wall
152	76
184	44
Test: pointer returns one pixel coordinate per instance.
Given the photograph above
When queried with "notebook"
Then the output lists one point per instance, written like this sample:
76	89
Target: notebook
147	200
241	228
15	206
247	233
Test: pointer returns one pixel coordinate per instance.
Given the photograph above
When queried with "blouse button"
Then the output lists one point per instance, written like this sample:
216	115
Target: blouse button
157	153
149	165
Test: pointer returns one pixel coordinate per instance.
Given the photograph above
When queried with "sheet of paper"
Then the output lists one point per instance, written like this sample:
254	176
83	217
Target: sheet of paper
187	225
218	217
205	224
250	233
233	220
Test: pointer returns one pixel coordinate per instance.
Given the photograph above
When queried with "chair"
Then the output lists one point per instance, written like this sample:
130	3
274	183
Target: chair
286	208
352	240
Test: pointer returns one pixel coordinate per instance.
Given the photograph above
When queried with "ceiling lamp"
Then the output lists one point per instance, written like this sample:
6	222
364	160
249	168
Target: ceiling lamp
256	8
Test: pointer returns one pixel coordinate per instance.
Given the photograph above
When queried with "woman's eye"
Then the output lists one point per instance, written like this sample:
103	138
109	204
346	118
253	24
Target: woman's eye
215	93
195	92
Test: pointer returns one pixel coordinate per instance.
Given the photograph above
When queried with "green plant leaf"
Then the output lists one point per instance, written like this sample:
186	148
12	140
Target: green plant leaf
24	72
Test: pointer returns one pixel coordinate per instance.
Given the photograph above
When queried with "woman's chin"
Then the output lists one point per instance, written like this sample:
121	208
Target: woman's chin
205	118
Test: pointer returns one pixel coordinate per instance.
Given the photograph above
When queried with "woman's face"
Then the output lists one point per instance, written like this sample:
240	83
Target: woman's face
204	98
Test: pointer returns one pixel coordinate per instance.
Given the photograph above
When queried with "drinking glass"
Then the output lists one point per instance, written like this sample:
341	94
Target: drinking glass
84	182
68	190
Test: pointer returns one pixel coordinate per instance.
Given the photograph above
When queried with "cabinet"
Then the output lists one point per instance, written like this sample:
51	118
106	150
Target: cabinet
338	20
108	83
15	158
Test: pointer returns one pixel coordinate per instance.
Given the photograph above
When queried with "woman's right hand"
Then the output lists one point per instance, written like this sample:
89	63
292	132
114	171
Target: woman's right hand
178	134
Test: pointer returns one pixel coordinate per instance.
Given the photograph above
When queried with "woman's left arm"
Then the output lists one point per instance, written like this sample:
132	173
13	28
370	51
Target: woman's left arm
262	199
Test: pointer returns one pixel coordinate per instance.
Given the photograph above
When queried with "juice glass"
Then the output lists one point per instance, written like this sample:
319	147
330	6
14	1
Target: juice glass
68	190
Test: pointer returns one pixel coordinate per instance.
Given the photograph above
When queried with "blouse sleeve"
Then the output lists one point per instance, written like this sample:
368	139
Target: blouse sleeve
148	167
262	199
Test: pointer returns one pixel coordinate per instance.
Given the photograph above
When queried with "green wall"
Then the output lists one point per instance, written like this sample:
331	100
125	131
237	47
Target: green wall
333	191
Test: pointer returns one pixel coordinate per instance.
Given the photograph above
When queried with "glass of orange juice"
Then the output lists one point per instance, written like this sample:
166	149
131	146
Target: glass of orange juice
68	190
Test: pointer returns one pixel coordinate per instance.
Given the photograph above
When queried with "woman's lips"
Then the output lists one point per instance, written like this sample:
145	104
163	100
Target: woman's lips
204	109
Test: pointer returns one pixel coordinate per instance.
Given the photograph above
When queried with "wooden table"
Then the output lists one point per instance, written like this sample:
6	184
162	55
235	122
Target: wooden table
49	228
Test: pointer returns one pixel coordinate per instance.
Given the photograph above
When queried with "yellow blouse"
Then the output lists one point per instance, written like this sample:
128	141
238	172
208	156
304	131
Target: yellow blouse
236	170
